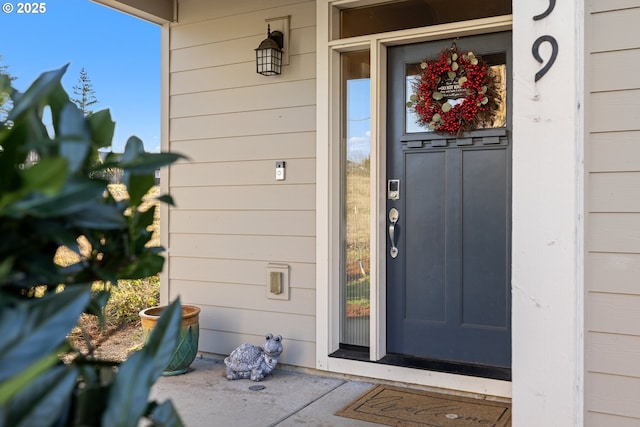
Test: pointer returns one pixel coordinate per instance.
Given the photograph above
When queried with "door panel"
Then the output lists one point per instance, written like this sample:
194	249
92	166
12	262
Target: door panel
484	275
448	289
425	302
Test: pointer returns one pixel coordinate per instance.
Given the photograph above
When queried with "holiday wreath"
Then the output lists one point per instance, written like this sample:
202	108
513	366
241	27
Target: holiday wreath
455	93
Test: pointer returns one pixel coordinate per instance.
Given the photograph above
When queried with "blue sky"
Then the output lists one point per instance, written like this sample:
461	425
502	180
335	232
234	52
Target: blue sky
121	55
358	120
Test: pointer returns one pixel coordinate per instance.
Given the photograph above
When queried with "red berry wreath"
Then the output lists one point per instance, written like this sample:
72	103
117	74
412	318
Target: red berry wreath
455	93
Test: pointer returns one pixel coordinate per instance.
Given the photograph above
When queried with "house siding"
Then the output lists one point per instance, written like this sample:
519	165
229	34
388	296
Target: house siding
232	217
612	354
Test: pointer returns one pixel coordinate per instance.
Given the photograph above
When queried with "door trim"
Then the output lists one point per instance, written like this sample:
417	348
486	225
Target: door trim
328	200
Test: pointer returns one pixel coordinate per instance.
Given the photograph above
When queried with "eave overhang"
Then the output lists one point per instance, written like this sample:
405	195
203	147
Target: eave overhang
156	11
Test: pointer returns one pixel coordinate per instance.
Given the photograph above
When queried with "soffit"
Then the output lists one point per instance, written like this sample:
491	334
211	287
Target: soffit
157	11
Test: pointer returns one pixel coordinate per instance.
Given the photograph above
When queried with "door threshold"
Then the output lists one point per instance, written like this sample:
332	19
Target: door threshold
361	354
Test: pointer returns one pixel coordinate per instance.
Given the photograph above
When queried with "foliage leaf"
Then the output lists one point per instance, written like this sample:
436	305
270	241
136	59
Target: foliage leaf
74	137
139	186
43	326
74	197
40	89
145	219
132	149
138	373
165	414
98	301
58	99
42	400
57	201
149	162
101	217
5	268
102	128
47	176
165	198
146	265
14	385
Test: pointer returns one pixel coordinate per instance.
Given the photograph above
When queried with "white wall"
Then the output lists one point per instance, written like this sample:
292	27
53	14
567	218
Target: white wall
547	219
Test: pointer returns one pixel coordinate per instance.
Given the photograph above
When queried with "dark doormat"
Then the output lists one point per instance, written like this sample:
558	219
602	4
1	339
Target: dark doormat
405	407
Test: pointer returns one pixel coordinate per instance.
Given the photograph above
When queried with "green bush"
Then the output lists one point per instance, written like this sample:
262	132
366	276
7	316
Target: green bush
52	196
129	297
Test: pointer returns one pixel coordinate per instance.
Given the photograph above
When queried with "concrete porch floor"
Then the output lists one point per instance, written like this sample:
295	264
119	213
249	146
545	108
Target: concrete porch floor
205	398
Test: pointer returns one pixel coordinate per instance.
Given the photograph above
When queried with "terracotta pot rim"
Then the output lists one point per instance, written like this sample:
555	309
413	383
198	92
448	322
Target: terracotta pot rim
188	311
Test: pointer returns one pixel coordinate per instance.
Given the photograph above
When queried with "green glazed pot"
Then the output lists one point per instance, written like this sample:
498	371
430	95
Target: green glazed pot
185	352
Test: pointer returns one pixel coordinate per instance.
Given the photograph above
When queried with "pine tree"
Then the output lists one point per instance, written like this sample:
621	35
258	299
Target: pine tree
5	102
85	93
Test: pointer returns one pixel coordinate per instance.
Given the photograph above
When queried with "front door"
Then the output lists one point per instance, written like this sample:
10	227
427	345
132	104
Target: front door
449	221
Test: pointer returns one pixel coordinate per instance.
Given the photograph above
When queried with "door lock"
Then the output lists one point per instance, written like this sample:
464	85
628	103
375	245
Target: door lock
393	189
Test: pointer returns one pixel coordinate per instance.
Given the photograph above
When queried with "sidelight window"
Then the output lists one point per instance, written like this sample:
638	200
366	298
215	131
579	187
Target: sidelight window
356	199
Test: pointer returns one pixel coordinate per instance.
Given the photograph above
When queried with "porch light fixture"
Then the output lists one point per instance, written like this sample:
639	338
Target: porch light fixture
269	54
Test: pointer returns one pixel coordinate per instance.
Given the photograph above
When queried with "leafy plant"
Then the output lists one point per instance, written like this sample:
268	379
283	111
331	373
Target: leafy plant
131	296
56	200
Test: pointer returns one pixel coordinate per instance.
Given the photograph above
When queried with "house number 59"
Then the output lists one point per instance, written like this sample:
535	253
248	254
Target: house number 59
535	49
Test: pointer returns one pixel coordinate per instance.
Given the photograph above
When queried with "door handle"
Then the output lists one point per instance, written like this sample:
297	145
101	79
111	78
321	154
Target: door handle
393	219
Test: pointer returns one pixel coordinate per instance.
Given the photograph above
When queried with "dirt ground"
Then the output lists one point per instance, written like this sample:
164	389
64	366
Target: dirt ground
114	343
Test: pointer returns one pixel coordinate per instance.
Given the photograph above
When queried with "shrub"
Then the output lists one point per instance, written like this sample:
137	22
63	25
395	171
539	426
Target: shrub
52	196
129	297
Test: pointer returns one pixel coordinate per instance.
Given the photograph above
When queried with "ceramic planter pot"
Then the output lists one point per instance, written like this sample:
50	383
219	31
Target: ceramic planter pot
185	352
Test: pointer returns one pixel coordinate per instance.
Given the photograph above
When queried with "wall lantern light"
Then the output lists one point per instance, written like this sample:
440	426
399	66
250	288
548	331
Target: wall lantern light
269	54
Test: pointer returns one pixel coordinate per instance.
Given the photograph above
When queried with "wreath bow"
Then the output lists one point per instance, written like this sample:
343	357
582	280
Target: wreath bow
455	93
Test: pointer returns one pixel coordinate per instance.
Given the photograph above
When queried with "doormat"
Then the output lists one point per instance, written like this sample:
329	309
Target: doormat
405	407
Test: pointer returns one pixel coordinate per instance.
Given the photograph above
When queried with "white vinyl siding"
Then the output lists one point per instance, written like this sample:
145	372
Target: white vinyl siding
232	217
612	316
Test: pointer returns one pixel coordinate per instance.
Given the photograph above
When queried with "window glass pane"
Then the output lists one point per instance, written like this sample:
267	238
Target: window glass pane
356	198
496	62
402	15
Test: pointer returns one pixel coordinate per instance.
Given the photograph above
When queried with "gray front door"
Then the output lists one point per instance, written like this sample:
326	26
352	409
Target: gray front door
449	284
